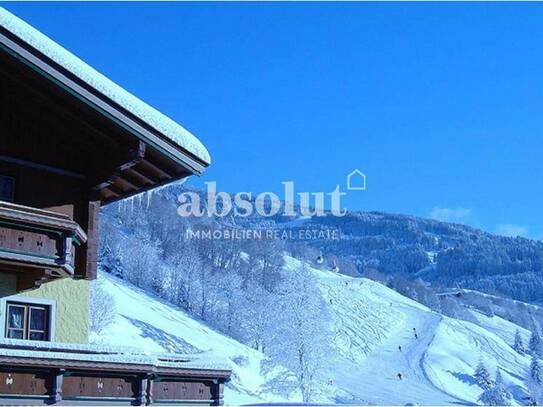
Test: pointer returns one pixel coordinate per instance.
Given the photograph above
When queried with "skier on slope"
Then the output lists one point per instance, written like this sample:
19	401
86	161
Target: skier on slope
400	376
400	348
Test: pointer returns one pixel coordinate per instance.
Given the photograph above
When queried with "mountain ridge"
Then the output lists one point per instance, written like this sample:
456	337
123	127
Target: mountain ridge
440	253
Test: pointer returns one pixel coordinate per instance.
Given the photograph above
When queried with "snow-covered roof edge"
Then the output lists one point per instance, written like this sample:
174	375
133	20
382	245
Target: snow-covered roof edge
113	354
151	116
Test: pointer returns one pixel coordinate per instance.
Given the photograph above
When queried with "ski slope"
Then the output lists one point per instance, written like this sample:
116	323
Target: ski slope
372	359
370	323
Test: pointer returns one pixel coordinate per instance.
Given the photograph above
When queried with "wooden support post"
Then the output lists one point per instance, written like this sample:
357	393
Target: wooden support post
218	393
140	388
55	391
150	391
86	258
66	250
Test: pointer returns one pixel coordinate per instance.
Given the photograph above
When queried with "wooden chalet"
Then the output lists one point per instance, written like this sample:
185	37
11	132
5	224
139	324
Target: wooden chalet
72	141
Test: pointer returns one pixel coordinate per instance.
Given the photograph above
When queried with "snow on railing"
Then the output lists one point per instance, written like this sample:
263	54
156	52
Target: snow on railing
106	353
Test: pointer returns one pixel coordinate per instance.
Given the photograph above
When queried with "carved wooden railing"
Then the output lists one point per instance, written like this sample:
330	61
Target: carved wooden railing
37	239
47	373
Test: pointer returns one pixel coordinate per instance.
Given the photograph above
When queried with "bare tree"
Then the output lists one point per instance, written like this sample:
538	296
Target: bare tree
102	310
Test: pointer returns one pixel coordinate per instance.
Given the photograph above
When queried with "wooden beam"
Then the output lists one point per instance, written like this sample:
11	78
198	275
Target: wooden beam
108	191
126	184
139	174
40	167
108	177
153	168
147	188
116	190
32	279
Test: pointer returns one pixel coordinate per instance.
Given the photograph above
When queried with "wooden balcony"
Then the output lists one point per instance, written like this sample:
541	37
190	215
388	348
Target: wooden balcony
37	244
34	373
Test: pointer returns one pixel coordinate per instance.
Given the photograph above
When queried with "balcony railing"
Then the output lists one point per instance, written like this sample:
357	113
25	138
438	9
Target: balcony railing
49	373
33	238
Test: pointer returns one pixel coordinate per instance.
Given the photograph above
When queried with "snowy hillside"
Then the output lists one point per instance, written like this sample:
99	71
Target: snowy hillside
372	322
147	322
444	254
373	341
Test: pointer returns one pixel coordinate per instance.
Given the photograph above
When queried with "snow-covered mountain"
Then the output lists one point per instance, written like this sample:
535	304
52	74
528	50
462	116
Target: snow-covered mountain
441	253
374	340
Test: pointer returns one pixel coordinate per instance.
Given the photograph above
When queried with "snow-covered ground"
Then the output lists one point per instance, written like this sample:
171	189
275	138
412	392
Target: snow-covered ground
370	323
147	322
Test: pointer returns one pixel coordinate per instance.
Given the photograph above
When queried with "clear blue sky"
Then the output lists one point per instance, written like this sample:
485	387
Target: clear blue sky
441	105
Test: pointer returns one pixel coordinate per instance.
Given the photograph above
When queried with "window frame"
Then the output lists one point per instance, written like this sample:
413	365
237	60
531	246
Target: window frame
28	303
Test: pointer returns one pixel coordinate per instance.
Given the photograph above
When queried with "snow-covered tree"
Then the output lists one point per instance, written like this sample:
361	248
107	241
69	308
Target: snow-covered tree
536	374
534	382
102	311
259	316
519	344
140	260
303	332
497	394
535	345
186	280
229	302
482	376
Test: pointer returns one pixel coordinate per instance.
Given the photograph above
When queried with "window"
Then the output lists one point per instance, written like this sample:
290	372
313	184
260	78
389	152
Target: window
27	321
7	188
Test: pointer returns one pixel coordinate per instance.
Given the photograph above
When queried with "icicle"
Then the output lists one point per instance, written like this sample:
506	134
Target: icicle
148	196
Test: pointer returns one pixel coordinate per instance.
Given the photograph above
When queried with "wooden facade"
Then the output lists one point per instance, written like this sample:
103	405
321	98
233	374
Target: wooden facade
66	149
37	245
88	377
61	387
66	155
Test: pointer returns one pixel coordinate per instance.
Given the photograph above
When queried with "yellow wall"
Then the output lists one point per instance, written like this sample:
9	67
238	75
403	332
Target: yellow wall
72	305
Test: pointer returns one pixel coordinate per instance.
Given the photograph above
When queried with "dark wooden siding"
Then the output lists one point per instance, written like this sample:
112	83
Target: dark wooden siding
34	386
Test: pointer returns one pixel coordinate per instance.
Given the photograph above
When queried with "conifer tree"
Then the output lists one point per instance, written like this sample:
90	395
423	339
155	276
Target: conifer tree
518	346
482	376
497	394
535	371
534	382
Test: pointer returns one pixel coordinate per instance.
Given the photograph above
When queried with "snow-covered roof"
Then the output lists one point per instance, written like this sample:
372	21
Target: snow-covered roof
149	115
15	348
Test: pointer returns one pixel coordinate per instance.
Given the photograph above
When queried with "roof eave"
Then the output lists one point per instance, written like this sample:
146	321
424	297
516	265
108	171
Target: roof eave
99	102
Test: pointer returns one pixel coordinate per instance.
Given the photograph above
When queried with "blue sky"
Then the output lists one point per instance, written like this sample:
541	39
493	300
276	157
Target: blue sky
439	104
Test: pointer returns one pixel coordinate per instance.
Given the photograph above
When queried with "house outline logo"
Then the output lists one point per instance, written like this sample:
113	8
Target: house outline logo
356	180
